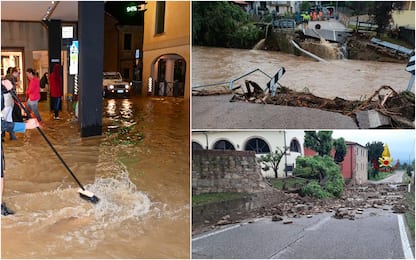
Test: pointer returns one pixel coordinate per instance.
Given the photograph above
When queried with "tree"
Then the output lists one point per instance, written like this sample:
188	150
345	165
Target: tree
375	149
382	12
272	160
222	24
340	150
382	15
320	142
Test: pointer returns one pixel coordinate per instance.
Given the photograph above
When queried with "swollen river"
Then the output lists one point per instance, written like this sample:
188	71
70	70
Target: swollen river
348	79
139	168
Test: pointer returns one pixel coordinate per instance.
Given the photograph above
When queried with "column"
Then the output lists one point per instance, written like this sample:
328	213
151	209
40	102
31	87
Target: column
91	56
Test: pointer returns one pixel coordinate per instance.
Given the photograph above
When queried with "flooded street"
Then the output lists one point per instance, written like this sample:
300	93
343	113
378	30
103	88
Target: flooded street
348	79
139	168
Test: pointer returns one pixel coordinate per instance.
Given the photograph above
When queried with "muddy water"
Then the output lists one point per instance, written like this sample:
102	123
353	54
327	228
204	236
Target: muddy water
143	185
349	79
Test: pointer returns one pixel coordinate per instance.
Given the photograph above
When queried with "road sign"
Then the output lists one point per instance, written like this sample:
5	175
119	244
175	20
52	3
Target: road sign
411	65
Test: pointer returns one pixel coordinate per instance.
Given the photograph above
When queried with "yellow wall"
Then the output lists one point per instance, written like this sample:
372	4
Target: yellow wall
404	18
174	40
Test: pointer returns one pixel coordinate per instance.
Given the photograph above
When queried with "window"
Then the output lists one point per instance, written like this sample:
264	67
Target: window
160	17
223	145
295	146
127	41
196	146
258	145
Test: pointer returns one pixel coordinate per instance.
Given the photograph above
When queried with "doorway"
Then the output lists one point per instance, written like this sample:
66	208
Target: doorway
169	72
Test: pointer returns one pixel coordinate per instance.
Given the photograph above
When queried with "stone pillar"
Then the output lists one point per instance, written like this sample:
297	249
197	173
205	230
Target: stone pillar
91	56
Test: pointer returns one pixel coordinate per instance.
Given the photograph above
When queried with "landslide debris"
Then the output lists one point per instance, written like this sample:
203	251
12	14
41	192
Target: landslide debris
354	202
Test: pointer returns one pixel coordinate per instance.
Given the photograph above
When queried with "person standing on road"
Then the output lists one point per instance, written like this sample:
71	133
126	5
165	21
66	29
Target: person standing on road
7	86
55	85
33	93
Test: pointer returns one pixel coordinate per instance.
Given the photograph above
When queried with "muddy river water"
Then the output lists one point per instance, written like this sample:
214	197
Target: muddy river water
349	79
143	186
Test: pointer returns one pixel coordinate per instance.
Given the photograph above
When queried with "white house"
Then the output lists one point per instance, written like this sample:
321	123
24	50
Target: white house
262	142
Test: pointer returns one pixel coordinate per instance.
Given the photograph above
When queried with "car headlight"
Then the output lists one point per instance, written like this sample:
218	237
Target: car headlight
111	87
127	86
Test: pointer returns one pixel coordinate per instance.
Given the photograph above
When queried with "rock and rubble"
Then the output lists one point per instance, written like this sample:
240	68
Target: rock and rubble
354	201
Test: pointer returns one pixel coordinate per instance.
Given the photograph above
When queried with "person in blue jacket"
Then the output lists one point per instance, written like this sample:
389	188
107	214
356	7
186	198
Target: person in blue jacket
18	127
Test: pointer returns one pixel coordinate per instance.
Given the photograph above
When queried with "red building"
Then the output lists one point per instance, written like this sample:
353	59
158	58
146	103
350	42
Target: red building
354	168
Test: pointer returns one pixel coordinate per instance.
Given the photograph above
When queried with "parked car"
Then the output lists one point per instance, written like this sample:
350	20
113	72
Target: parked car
113	85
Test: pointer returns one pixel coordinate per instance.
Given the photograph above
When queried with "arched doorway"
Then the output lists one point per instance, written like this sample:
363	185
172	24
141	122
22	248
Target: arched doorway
169	72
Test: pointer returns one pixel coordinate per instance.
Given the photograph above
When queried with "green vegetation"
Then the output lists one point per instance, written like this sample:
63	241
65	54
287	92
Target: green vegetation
410	214
216	197
223	24
340	150
322	143
325	173
410	200
379	176
313	189
288	183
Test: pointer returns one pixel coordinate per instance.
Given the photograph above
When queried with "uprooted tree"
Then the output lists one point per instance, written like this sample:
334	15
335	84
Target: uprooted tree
322	171
324	175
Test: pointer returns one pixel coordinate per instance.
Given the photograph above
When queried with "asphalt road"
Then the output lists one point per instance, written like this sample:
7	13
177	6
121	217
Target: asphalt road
216	112
395	178
372	235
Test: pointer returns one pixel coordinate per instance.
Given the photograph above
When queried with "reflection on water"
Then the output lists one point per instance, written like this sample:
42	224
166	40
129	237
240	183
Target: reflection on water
143	187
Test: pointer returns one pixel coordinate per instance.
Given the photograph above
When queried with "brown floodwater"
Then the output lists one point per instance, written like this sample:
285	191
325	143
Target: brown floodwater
139	168
349	79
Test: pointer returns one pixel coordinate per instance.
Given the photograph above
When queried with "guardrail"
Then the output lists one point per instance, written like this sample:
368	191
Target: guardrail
231	82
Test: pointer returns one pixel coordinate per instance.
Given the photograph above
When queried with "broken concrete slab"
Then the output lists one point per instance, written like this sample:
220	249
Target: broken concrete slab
372	119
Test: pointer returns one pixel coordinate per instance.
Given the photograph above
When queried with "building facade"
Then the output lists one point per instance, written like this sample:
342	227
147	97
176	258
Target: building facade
121	57
262	142
166	49
354	168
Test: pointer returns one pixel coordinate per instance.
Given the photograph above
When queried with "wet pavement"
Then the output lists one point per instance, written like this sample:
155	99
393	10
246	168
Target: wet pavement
139	168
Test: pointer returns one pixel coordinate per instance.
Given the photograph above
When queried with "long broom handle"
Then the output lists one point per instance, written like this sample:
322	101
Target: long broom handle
47	140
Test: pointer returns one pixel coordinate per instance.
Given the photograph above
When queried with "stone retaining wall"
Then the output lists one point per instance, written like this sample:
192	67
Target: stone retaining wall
226	171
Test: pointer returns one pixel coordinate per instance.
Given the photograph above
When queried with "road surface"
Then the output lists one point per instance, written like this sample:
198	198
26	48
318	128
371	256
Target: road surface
216	112
395	178
372	235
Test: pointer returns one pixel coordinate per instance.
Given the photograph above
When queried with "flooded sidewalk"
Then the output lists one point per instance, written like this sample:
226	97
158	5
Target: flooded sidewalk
143	185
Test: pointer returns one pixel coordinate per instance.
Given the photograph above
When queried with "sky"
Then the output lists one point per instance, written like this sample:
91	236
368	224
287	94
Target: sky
401	143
